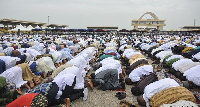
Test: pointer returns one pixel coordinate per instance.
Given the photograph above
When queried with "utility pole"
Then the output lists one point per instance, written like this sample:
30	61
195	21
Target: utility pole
48	20
194	21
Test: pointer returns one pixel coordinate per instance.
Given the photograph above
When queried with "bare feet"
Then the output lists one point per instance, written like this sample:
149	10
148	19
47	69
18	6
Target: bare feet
26	85
67	102
90	84
31	83
19	91
44	74
89	76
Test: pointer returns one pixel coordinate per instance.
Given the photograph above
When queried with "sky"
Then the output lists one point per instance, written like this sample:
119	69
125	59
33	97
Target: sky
119	13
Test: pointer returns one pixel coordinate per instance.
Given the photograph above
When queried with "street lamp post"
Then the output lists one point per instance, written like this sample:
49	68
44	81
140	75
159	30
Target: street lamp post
48	20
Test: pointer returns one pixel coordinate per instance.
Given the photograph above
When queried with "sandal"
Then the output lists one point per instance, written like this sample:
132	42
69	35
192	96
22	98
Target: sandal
125	103
120	95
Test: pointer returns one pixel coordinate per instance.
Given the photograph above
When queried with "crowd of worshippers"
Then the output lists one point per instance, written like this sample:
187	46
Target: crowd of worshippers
173	77
59	70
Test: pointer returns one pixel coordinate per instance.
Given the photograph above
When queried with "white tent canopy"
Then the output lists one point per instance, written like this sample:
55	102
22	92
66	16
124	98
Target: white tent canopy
29	28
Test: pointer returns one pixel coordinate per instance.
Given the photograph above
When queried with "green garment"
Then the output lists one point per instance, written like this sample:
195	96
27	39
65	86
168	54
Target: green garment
170	62
2	84
166	57
55	57
197	48
106	56
5	97
100	41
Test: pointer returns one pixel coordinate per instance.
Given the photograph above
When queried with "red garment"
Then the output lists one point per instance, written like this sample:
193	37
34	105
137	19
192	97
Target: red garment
23	101
15	47
112	53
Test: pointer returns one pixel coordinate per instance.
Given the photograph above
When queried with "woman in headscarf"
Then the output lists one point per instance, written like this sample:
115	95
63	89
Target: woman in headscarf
6	93
61	90
14	74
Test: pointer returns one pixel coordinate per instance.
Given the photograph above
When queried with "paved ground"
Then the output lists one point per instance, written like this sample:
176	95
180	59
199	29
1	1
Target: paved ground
99	98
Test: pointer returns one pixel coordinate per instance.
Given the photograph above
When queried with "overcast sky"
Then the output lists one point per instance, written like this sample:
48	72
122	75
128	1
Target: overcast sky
83	13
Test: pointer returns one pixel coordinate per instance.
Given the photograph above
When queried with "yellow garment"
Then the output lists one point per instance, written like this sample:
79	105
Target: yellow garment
188	41
59	69
171	95
188	49
27	74
128	47
2	54
135	57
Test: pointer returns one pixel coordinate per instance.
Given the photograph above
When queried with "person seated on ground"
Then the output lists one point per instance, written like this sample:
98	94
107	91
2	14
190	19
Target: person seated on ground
154	88
127	54
27	75
162	55
8	91
107	79
192	53
146	80
196	57
190	65
61	89
179	63
33	67
46	65
137	56
106	56
154	52
186	50
9	61
22	59
14	74
134	64
15	53
30	100
43	55
137	73
168	96
192	76
79	76
59	69
28	57
178	49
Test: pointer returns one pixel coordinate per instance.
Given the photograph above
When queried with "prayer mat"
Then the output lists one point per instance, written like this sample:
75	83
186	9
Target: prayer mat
197	95
169	75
